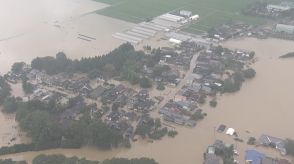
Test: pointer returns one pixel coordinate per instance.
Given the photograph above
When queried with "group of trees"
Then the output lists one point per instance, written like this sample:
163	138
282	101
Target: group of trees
198	115
41	122
152	128
235	81
17	68
124	62
290	147
288	55
4	90
226	153
27	87
61	159
10	161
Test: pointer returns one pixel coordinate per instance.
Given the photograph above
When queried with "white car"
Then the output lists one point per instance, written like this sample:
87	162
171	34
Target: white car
236	153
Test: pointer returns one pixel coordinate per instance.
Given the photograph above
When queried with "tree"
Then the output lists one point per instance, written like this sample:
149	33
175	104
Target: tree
74	135
145	82
251	141
157	123
213	103
5	90
230	85
27	87
109	69
10	105
198	115
249	73
103	137
160	86
227	154
17	68
159	69
172	133
129	161
201	99
290	147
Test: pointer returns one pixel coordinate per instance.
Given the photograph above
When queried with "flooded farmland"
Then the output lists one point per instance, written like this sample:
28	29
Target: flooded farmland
43	28
263	106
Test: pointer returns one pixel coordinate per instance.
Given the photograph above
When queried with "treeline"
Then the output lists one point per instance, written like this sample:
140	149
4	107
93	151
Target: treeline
4	90
10	161
42	123
290	147
288	55
61	159
124	62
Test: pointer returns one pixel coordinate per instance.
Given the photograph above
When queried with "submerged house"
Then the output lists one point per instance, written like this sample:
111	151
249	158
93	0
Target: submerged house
277	143
212	159
254	157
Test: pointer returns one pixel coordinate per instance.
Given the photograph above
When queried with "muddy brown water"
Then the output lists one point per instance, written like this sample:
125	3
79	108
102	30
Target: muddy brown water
44	27
263	106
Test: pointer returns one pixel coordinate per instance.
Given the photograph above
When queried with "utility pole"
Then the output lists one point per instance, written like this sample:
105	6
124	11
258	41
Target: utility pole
214	133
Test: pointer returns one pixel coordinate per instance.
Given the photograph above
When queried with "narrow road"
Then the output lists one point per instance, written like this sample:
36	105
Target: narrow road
174	91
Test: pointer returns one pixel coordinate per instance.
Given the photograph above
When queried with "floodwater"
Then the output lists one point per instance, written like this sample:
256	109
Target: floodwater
9	130
44	27
263	106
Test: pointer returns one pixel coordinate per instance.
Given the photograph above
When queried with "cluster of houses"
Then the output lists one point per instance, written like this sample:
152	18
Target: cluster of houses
252	156
209	72
122	121
179	112
78	94
127	97
229	31
61	81
182	55
176	60
212	157
269	10
207	80
283	28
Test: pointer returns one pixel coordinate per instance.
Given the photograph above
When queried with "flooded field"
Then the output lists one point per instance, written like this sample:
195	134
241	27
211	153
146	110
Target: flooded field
43	28
263	106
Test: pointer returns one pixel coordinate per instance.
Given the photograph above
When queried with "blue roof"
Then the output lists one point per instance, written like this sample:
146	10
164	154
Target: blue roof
254	156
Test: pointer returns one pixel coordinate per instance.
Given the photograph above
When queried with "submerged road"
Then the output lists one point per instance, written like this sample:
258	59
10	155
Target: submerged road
183	82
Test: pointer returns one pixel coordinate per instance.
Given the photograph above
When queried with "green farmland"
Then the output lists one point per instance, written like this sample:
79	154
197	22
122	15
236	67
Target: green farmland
212	12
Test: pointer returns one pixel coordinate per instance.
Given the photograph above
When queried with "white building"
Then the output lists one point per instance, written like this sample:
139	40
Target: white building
171	17
194	17
186	13
176	41
285	28
277	8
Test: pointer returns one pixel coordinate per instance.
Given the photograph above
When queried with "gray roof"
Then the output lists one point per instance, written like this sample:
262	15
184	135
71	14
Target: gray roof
211	159
267	140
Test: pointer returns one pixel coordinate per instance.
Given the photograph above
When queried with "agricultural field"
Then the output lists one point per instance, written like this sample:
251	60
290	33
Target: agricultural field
212	12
